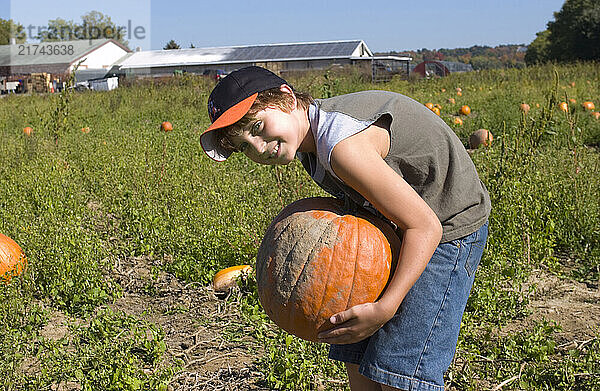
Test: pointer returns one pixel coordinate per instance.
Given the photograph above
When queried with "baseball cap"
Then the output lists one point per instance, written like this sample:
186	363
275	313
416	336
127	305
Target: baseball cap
230	100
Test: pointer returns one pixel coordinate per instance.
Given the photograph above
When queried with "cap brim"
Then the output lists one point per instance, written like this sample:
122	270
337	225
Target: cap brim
208	139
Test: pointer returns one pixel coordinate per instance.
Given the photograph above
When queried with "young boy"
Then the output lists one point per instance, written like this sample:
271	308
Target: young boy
389	153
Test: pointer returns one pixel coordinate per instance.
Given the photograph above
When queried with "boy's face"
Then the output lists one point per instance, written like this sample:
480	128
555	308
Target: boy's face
274	137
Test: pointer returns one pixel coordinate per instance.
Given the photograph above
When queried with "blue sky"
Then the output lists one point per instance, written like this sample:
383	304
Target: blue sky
383	25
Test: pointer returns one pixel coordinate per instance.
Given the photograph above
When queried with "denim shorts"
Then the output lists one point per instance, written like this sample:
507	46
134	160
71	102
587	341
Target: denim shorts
414	349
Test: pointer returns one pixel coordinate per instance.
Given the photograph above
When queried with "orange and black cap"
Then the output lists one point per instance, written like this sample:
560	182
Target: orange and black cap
230	100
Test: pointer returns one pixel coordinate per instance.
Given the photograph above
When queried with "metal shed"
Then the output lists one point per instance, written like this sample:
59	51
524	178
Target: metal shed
280	58
440	68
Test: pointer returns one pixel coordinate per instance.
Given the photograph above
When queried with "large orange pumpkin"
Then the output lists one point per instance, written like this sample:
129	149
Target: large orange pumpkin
12	258
315	260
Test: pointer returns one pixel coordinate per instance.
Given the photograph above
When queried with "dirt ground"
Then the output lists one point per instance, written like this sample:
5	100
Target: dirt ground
575	306
194	321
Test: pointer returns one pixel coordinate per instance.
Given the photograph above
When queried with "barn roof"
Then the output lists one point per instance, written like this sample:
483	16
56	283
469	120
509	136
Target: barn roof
242	54
50	52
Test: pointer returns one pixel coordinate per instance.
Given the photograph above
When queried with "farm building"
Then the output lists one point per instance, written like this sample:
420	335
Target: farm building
440	68
59	57
280	58
51	61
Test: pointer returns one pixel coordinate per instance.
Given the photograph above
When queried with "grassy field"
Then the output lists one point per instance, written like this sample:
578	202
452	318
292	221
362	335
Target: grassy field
125	225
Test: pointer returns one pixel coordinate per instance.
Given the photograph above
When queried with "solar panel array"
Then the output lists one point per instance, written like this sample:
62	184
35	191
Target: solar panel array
288	51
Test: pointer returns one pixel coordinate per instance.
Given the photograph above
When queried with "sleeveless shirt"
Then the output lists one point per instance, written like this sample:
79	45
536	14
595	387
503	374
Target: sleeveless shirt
424	151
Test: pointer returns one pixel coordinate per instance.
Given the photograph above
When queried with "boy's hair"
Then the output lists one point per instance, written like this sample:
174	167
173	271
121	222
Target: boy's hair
272	97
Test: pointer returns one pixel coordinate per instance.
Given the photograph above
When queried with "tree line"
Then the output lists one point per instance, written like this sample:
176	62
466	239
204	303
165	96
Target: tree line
479	57
93	25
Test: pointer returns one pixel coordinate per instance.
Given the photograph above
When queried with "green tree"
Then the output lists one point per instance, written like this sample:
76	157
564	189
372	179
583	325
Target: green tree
94	25
171	45
537	51
59	30
9	29
575	32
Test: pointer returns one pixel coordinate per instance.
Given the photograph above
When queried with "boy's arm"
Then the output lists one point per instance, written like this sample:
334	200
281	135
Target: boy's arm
358	161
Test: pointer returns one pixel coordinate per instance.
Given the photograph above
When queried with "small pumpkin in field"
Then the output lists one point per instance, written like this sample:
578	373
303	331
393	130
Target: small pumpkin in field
459	93
28	130
563	106
85	129
572	101
166	126
429	105
227	278
465	110
451	100
316	260
437	110
525	108
458	121
481	137
458	89
12	259
589	105
596	114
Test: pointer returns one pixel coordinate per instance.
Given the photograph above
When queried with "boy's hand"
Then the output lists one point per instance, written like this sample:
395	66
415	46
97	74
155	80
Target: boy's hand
356	323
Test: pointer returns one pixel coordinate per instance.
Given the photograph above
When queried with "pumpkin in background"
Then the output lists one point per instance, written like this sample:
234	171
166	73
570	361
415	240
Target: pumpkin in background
563	106
227	278
458	121
525	108
596	114
315	261
589	105
451	101
465	110
481	137
166	126
572	101
28	130
12	259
